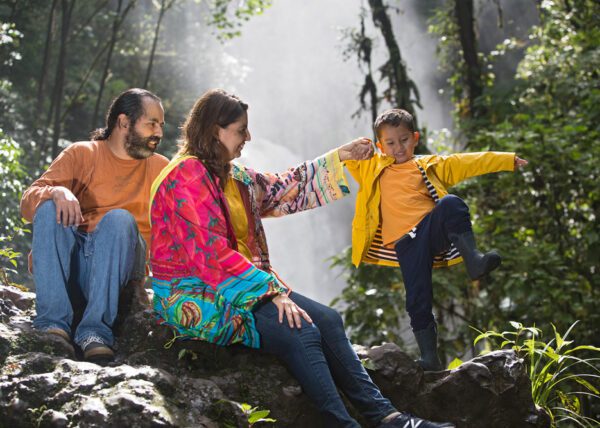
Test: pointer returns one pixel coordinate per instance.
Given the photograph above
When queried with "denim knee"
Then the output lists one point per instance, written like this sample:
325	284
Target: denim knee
453	203
45	213
455	214
118	220
330	319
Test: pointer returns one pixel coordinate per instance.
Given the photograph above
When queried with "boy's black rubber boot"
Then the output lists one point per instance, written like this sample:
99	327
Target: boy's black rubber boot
427	341
478	264
406	420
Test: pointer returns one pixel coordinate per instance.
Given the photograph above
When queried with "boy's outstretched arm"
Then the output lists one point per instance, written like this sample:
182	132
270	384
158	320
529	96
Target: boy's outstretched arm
520	163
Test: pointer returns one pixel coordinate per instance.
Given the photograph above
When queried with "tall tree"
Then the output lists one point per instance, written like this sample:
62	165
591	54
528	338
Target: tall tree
164	6
43	70
67	11
401	88
361	45
117	22
463	10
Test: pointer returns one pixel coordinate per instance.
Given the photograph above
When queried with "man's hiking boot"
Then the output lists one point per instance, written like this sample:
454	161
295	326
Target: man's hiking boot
58	332
427	341
478	264
406	420
61	337
96	351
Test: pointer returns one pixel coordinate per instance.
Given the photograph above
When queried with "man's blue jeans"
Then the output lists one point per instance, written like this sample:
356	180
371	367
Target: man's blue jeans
96	265
320	356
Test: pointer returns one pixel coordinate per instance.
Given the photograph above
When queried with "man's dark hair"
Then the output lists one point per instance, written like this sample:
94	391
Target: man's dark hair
394	117
129	103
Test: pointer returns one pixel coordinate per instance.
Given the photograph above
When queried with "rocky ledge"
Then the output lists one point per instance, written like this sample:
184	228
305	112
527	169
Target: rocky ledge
158	382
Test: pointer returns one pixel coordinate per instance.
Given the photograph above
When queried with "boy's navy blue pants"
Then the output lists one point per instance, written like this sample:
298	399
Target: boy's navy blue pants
450	215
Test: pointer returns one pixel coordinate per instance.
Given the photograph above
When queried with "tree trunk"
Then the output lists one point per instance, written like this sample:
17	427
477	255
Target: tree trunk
42	79
401	86
364	48
163	8
67	10
89	19
13	11
369	86
84	80
464	17
113	41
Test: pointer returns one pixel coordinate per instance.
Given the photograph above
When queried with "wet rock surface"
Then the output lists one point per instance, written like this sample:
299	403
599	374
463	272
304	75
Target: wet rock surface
160	382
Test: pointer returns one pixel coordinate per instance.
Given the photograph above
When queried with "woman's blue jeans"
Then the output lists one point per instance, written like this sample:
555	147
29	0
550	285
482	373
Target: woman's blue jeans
68	262
320	356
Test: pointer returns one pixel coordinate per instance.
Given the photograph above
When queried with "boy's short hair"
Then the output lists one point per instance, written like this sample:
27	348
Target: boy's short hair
394	117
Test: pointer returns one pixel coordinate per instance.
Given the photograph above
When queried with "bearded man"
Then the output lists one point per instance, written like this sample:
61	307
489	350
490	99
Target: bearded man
91	223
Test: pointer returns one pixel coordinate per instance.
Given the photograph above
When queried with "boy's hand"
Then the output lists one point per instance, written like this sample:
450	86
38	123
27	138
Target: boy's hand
520	163
359	149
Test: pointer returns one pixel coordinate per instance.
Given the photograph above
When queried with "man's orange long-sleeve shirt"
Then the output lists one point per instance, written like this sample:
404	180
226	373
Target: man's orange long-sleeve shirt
100	181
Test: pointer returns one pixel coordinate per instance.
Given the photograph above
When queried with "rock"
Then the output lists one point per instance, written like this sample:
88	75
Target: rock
489	391
12	296
158	381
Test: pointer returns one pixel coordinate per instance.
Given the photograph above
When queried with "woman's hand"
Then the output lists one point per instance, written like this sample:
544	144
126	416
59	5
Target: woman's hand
520	163
359	149
292	311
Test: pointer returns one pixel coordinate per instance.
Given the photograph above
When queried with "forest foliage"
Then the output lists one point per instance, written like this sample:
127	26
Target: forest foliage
544	220
62	61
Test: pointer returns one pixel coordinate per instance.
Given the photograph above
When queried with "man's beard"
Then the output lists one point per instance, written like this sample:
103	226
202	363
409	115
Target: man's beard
139	147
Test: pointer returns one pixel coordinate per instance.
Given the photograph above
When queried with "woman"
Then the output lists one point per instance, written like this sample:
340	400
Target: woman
212	276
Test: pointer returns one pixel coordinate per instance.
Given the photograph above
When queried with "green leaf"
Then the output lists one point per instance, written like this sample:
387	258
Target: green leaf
258	415
587	384
454	363
583	347
368	364
516	325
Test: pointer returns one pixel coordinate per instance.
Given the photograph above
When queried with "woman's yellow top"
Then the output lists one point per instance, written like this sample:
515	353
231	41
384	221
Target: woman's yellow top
239	219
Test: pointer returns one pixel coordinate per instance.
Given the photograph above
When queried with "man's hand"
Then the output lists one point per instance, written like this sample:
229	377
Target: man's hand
68	211
292	311
520	163
359	149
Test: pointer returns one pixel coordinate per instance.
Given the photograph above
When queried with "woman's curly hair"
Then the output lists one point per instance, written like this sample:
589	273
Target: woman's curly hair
199	131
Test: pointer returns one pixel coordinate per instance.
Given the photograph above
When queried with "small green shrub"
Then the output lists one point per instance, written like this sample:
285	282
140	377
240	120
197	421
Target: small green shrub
560	376
254	415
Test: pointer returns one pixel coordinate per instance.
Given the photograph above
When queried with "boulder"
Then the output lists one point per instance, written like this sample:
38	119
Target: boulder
492	390
159	381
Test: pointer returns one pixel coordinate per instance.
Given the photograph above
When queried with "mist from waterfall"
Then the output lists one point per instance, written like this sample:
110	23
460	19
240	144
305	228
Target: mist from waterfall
288	66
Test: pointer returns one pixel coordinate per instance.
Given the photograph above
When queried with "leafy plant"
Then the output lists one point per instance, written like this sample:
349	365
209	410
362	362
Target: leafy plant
559	375
12	176
372	303
254	415
9	257
228	22
187	353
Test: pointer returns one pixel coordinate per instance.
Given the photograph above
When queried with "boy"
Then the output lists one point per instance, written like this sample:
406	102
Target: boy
405	215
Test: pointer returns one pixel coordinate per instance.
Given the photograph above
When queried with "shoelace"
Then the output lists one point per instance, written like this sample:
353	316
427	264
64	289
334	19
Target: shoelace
91	339
412	423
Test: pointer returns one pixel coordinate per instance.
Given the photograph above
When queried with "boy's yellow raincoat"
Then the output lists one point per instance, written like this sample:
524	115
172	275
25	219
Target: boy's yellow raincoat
441	172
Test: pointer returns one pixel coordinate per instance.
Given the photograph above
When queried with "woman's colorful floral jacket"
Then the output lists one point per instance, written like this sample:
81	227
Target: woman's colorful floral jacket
203	287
